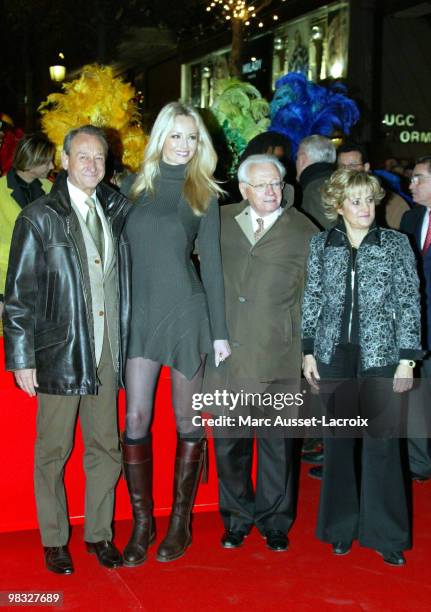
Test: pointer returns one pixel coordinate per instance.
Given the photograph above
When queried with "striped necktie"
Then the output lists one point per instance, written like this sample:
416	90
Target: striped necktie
258	233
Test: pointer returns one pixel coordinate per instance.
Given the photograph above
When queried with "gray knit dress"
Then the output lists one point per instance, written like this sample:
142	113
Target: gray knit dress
175	317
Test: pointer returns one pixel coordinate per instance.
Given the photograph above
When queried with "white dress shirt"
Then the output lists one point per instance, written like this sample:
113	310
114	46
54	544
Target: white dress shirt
267	221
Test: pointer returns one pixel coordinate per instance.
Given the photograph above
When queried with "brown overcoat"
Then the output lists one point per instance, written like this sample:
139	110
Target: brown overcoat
264	283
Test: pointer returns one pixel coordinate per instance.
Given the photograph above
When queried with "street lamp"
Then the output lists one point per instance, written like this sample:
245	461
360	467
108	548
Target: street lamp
57	72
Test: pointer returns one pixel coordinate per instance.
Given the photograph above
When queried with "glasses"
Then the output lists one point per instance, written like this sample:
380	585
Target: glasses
418	179
351	166
262	187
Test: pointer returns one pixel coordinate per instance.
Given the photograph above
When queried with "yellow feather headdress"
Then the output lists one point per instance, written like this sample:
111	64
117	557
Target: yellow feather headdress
99	98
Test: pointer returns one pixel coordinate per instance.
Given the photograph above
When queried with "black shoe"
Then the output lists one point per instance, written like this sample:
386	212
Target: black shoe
232	539
392	557
316	472
341	548
419	477
106	553
313	457
276	541
58	560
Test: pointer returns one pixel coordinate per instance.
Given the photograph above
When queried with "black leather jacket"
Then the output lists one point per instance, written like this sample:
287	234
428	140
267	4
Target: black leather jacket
48	322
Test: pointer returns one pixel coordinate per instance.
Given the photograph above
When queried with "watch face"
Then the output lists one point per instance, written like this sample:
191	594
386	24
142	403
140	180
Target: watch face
408	362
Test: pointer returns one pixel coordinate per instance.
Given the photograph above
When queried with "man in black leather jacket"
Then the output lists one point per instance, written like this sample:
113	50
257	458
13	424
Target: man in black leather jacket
63	338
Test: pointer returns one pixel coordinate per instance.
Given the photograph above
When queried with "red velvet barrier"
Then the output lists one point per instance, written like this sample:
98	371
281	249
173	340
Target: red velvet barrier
17	423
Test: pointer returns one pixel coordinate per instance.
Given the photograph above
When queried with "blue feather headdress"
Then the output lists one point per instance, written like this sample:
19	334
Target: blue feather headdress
301	108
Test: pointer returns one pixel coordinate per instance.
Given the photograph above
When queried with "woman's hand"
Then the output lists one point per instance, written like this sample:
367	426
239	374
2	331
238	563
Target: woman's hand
309	367
221	351
403	378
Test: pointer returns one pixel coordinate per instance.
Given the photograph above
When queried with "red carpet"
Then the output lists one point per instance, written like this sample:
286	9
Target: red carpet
307	577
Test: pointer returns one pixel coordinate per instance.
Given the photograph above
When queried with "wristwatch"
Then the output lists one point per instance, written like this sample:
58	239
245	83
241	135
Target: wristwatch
408	362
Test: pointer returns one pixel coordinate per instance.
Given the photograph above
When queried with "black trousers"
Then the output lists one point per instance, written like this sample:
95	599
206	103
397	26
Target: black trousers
272	505
364	492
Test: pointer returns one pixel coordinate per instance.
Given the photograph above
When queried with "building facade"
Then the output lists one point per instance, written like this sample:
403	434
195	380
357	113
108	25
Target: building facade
379	48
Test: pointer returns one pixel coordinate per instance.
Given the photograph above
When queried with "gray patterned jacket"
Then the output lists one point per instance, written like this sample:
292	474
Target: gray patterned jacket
388	296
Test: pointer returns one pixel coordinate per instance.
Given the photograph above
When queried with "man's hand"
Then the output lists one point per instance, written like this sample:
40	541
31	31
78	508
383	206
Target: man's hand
26	380
403	378
221	351
309	367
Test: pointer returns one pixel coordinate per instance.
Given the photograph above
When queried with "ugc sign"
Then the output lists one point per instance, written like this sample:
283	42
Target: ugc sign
406	121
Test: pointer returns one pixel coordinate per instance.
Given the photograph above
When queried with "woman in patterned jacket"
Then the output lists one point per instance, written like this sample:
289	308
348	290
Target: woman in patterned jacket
361	332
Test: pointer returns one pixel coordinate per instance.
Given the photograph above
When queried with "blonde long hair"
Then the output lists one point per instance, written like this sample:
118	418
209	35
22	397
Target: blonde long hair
199	183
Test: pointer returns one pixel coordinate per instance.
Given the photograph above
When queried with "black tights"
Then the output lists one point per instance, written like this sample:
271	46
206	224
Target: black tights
141	380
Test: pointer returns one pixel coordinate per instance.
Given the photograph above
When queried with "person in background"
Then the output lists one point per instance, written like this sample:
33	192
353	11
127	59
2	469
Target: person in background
266	143
269	143
9	138
314	165
361	322
25	182
353	156
416	223
177	320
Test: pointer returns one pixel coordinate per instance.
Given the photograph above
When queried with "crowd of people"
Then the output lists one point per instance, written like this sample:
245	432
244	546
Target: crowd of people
328	278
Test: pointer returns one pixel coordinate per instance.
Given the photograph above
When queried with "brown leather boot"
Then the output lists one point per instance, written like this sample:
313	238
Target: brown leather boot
190	457
138	471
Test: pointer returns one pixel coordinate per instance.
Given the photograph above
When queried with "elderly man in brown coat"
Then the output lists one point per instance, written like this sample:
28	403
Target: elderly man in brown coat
264	254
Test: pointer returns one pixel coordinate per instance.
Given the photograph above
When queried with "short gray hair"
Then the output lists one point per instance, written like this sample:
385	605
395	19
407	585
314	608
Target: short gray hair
91	130
318	149
259	159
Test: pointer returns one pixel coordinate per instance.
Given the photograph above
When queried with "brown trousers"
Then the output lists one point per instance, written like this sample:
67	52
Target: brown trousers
56	419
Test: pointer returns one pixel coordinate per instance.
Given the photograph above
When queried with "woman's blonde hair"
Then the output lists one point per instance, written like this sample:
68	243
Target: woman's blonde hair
343	184
199	183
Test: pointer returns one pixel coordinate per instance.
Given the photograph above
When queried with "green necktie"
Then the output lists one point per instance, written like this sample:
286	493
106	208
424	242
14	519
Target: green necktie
94	225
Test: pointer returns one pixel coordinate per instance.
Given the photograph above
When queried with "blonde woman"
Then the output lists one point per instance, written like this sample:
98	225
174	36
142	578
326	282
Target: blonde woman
361	332
177	319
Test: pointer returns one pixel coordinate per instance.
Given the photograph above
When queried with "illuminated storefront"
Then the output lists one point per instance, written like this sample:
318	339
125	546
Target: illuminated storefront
378	47
315	43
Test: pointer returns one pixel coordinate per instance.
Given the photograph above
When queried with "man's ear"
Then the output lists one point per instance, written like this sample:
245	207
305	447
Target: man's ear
64	160
367	167
243	190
